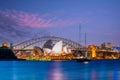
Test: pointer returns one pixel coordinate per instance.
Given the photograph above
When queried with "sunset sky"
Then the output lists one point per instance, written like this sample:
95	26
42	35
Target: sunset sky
21	20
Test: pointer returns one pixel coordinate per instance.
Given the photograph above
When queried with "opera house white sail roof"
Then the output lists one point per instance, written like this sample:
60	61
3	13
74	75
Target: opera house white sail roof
47	50
65	49
57	48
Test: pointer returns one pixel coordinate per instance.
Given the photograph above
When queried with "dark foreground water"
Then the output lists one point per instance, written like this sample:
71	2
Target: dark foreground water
60	70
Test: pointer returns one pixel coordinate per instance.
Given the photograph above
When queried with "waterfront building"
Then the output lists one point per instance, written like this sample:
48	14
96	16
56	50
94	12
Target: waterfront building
57	49
92	49
6	53
108	45
37	51
116	49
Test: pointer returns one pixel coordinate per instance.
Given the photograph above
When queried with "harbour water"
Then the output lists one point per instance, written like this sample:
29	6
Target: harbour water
60	70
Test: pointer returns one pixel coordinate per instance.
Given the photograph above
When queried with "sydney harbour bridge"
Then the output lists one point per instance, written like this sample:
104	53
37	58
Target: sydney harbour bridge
77	49
38	44
40	41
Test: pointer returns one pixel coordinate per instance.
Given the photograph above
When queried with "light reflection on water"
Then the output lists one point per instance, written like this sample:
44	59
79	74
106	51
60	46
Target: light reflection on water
55	72
60	70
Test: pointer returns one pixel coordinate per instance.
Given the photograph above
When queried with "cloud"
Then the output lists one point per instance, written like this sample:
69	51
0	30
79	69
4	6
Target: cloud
18	26
11	30
28	19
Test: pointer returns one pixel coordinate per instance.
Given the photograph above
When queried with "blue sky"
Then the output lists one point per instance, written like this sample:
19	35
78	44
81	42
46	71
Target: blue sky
100	19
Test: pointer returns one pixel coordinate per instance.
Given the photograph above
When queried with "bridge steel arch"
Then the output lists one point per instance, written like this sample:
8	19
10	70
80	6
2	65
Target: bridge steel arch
71	44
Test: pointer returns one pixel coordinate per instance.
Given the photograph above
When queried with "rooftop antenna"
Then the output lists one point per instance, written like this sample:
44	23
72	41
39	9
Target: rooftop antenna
85	40
79	33
79	40
85	47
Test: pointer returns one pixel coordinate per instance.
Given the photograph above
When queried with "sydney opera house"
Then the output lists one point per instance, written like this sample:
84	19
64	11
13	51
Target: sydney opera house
50	50
55	49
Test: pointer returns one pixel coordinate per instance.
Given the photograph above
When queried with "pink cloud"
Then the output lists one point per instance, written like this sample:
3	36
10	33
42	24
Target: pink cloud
36	20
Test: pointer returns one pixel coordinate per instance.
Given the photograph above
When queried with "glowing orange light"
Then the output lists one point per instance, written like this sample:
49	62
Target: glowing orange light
93	49
5	44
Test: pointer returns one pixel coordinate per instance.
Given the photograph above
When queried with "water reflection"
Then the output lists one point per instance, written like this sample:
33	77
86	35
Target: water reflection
59	70
6	70
55	71
93	75
105	71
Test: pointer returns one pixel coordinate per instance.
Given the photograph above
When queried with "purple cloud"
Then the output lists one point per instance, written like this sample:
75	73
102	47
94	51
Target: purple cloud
36	20
11	31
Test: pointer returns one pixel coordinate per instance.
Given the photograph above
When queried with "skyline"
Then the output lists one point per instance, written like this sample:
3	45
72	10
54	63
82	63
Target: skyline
100	20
